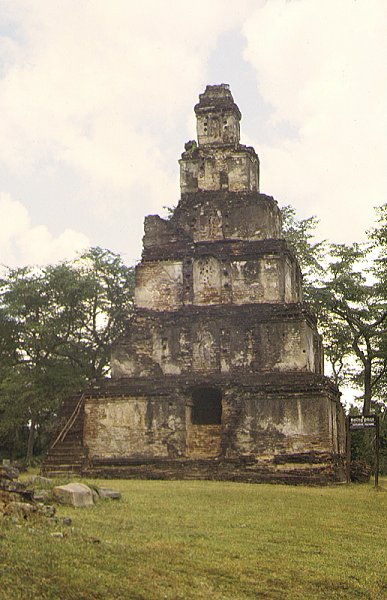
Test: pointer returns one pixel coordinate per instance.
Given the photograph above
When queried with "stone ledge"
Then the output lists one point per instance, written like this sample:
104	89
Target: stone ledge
287	384
217	469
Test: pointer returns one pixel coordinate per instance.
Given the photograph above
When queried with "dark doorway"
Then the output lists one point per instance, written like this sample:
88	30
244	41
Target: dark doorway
207	406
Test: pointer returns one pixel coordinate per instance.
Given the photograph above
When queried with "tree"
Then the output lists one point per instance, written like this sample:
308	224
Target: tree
41	304
105	304
300	234
378	241
8	341
352	309
62	320
346	286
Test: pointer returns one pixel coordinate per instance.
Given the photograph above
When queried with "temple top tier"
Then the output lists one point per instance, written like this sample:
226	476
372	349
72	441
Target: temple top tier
218	161
217	117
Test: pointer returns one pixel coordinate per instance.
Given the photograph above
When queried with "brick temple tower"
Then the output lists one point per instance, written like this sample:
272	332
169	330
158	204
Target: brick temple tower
220	373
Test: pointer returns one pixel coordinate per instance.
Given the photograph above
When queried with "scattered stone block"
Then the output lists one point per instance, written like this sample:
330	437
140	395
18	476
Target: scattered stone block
108	493
74	494
8	472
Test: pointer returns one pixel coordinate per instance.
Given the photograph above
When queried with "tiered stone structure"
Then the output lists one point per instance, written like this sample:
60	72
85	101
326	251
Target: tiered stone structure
220	374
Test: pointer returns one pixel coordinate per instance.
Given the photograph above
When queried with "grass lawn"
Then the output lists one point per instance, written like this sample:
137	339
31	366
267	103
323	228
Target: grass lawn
203	539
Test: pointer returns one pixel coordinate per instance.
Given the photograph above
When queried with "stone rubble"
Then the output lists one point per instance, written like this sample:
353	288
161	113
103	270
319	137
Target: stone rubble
17	501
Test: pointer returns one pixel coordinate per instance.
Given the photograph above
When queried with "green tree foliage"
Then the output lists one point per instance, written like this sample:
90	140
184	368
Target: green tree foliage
346	286
107	288
378	240
300	234
8	341
59	323
350	298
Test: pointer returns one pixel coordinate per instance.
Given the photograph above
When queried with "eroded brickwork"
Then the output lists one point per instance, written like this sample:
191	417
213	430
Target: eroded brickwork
140	427
220	372
219	339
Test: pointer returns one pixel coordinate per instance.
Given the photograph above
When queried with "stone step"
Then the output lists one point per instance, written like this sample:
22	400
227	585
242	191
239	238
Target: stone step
60	473
77	429
65	458
64	464
65	461
68	456
69	441
60	449
65	455
71	438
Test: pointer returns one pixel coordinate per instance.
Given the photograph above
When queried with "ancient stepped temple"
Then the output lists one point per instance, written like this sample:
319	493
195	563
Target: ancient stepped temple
220	373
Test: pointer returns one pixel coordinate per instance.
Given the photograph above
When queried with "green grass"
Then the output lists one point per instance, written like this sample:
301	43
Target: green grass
210	540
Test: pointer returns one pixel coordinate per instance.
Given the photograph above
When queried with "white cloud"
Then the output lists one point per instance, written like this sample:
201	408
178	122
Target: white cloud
23	243
104	90
322	66
99	83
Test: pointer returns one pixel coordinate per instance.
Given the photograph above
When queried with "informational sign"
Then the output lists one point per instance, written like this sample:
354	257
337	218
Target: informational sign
363	422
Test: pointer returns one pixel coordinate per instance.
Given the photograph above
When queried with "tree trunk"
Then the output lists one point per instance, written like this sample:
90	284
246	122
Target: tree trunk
13	443
367	388
31	440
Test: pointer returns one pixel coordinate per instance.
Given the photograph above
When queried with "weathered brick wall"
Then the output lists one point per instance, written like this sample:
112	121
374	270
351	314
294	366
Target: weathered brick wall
213	126
211	217
224	215
246	265
134	426
254	424
204	441
163	285
159	285
219	161
219	317
267	426
217	169
216	342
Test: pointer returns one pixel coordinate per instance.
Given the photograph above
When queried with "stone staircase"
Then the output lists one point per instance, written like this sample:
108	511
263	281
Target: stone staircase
67	455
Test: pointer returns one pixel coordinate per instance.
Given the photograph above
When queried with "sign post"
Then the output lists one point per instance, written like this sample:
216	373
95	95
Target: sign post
363	422
348	447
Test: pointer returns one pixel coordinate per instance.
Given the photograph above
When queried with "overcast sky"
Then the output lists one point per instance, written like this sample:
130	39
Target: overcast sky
96	103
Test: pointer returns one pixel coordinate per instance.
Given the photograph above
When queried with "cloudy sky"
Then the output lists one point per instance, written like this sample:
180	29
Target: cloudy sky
97	96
